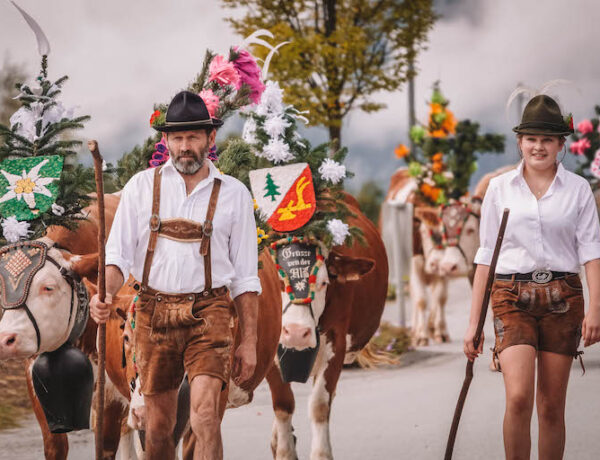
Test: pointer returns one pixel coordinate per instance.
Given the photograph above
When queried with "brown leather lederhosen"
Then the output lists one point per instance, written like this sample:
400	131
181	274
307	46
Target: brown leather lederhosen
177	332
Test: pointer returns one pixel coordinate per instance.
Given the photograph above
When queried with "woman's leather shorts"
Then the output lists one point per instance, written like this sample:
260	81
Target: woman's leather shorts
546	316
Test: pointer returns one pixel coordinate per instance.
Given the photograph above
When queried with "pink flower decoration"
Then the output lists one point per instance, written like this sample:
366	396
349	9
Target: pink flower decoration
224	72
211	100
579	147
585	126
250	73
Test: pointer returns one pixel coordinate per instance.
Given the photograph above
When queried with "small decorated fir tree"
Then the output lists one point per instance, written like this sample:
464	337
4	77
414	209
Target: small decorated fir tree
446	152
41	183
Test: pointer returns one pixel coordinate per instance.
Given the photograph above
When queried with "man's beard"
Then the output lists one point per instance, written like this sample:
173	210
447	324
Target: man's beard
189	166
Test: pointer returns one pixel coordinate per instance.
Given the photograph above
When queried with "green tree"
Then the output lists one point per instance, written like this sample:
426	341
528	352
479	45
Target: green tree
369	199
271	188
341	52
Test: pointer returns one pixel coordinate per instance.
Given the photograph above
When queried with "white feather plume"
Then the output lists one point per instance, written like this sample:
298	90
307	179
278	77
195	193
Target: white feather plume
529	92
265	68
42	40
254	39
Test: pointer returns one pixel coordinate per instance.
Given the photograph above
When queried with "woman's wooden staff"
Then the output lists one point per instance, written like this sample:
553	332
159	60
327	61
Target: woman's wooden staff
476	339
101	338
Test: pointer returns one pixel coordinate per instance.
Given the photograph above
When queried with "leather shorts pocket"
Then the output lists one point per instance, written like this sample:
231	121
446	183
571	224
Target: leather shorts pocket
572	283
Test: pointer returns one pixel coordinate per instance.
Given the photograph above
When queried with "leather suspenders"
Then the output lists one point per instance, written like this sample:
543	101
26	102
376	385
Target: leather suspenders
181	230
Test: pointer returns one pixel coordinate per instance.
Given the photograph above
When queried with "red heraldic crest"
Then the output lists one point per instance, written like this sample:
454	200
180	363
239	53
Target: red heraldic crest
285	195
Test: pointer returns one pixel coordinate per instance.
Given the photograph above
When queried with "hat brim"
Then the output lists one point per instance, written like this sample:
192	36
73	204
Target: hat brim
542	131
191	126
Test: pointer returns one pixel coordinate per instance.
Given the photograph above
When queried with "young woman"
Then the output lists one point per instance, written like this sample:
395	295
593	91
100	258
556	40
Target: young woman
537	297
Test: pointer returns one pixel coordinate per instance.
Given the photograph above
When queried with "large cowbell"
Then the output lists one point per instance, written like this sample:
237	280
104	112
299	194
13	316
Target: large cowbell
297	261
64	384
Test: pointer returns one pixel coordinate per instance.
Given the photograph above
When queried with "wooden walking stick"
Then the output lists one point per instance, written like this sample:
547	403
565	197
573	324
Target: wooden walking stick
476	339
101	338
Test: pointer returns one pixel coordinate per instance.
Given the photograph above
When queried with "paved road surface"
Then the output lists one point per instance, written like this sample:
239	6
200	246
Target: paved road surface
393	413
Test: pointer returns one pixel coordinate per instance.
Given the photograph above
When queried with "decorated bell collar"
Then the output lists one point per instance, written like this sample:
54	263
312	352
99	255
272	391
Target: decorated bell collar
298	260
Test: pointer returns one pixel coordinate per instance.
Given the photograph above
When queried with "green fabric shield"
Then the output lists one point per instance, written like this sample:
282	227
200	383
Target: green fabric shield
29	186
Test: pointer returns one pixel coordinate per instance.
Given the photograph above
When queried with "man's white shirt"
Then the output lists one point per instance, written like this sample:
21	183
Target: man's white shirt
558	232
178	267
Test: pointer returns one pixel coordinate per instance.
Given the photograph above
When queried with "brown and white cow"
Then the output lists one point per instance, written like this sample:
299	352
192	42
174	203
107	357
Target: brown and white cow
78	252
445	241
349	300
49	301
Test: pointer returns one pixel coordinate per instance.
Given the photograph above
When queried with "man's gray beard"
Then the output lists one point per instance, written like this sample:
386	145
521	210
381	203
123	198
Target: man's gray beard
188	167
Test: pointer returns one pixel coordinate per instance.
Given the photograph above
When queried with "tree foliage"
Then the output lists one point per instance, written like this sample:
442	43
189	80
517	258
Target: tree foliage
369	199
341	52
10	76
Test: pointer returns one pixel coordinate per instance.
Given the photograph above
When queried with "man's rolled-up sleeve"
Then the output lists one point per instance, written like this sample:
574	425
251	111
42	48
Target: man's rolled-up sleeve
122	239
588	228
488	228
243	248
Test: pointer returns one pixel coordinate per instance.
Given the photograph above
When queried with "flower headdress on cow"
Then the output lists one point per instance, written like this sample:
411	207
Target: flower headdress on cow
446	152
287	171
41	183
226	84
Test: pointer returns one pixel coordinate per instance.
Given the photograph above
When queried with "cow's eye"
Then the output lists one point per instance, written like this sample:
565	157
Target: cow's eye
126	338
48	289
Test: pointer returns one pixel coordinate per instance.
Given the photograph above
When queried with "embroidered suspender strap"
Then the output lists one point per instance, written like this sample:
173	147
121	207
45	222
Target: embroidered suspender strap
207	229
154	227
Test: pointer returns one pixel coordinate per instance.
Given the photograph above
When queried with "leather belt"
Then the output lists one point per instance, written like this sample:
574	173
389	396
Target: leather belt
537	276
196	296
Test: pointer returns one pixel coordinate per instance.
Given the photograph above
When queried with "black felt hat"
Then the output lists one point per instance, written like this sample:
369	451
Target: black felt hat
542	116
187	111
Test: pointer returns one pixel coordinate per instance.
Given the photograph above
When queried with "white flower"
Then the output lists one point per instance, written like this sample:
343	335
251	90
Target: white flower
26	118
332	170
277	151
56	113
57	209
300	285
275	126
339	231
14	230
249	131
25	187
271	100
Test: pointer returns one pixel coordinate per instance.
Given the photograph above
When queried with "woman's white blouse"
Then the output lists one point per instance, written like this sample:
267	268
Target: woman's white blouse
559	232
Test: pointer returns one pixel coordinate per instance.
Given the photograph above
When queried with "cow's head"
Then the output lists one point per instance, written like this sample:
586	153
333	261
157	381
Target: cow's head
450	236
306	272
44	300
429	228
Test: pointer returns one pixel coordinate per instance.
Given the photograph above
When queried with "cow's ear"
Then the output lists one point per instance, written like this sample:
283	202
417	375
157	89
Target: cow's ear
86	266
429	216
345	268
475	205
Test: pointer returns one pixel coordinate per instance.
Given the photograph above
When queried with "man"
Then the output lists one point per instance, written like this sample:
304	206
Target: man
187	234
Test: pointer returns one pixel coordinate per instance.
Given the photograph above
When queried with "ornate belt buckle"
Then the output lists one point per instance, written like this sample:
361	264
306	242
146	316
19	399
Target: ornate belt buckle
541	276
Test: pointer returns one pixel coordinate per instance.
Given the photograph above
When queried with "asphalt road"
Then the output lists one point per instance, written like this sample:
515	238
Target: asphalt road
392	413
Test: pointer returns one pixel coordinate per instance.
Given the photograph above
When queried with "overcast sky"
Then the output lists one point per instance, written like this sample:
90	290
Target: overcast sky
122	57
